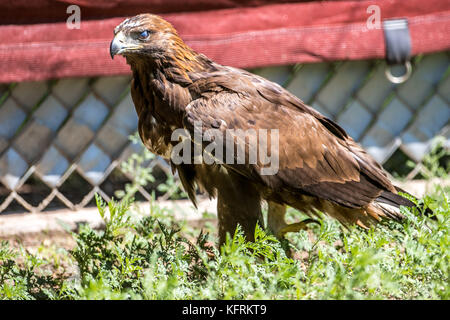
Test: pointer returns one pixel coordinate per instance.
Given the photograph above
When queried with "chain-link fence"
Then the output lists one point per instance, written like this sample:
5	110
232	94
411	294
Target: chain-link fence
62	141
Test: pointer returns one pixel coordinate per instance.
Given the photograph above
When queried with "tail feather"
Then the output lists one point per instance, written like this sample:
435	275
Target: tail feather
395	199
390	204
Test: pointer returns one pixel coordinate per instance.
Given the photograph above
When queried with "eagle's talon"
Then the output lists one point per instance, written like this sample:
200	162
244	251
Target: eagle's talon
296	227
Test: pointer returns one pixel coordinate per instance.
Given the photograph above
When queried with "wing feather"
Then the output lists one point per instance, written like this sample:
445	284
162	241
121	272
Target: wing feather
315	155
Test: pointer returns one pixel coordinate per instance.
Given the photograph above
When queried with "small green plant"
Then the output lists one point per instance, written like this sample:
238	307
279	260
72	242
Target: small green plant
137	167
147	257
152	256
436	163
23	276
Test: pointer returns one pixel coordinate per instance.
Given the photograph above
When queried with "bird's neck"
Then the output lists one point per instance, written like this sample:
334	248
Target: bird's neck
167	78
178	65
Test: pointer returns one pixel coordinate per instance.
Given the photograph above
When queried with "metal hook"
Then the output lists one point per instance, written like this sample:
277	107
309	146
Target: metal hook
402	78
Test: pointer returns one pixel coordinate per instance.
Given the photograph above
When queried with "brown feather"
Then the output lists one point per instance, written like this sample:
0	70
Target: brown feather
320	166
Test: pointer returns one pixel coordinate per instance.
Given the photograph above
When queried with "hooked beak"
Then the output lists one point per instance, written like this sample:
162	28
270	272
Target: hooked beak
119	45
116	47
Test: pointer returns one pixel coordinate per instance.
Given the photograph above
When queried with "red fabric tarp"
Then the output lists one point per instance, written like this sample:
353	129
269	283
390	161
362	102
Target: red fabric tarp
35	43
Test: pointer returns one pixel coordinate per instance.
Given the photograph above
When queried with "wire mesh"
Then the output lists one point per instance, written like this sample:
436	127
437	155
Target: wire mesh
62	141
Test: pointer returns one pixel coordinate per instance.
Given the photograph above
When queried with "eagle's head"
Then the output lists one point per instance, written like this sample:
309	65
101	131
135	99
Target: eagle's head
144	35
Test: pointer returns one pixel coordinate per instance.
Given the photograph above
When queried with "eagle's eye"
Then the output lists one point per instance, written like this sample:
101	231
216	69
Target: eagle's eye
144	35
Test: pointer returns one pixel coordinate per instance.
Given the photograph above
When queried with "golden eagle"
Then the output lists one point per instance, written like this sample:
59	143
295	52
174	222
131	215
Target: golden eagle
319	167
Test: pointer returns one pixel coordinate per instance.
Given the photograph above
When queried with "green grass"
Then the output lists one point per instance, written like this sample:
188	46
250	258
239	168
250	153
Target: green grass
152	257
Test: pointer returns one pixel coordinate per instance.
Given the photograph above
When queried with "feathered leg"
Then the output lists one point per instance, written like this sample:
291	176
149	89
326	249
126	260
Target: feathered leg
276	223
238	202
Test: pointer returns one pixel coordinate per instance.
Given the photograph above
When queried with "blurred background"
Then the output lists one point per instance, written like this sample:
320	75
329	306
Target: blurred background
67	122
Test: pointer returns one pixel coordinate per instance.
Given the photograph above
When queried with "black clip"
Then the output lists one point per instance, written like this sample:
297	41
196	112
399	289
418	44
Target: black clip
398	47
